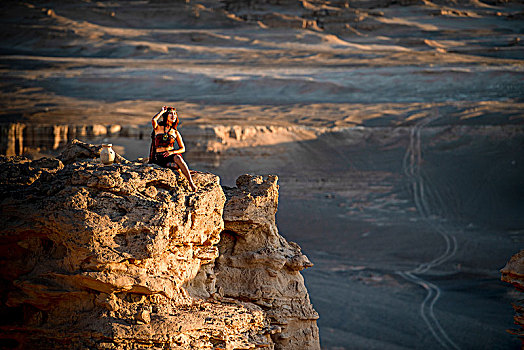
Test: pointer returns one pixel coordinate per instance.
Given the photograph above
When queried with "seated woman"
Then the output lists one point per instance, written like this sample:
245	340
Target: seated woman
164	136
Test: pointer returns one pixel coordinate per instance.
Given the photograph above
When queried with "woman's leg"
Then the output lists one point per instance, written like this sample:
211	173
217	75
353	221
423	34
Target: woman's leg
181	164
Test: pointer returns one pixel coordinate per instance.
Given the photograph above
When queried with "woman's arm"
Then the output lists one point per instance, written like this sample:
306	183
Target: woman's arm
154	121
181	146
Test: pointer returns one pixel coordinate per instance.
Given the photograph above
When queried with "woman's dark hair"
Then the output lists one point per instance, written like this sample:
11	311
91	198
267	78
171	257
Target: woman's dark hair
163	120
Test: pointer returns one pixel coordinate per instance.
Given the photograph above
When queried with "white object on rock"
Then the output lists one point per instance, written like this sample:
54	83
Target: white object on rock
107	155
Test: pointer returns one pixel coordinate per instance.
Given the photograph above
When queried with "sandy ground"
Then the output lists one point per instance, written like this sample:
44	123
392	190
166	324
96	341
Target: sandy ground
409	197
378	236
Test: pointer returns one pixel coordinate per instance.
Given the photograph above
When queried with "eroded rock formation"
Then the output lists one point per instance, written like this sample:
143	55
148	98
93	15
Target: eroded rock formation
205	141
513	273
259	265
98	256
256	264
20	138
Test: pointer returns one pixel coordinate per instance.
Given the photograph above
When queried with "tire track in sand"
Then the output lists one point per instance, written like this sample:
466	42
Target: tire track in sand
411	167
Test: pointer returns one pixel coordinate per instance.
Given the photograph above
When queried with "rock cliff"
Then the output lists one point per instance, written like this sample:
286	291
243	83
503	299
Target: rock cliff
206	142
513	273
125	256
258	265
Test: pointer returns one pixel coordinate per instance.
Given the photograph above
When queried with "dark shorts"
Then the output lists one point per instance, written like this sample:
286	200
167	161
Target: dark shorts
159	159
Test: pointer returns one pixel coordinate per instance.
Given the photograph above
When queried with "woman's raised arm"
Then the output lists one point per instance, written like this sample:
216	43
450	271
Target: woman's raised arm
154	121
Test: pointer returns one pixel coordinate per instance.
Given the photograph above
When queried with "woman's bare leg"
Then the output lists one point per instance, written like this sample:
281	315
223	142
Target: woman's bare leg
185	170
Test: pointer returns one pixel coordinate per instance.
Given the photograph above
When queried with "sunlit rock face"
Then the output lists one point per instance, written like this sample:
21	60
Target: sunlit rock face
26	138
97	256
513	273
206	143
256	264
264	265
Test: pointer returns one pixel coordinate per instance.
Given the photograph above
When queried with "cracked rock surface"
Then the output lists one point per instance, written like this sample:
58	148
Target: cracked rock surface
125	256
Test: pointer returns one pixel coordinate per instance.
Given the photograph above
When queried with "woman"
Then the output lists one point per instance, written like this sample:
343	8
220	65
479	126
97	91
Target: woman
163	151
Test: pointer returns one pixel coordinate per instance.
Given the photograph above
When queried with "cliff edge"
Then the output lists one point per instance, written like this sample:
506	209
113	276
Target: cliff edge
125	256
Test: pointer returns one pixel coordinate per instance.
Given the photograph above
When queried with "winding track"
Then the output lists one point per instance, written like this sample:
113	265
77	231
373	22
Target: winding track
411	167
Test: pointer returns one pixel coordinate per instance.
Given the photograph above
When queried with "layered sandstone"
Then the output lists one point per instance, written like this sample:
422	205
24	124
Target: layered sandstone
97	256
205	141
513	273
256	264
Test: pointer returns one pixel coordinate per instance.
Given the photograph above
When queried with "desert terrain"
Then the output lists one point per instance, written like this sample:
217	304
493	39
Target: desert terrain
396	129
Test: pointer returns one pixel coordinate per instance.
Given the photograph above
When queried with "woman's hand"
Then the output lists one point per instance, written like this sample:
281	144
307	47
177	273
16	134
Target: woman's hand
166	153
164	108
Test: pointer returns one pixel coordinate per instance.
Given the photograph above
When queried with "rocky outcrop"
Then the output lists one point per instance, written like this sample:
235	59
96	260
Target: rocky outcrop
11	139
125	256
21	138
259	265
206	143
256	264
335	17
513	273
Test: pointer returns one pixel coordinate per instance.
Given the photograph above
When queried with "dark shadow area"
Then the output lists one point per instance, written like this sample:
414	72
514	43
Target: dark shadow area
346	200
